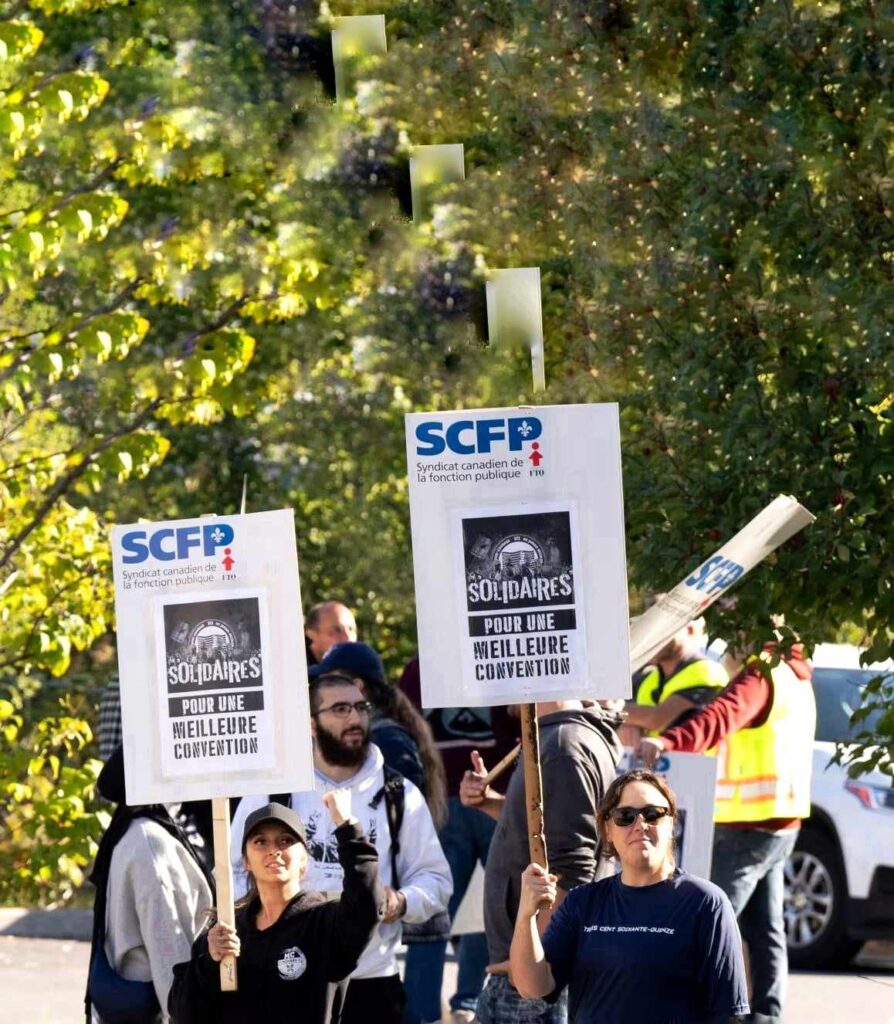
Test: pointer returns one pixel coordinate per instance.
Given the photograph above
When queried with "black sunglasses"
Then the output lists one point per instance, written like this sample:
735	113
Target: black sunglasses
626	816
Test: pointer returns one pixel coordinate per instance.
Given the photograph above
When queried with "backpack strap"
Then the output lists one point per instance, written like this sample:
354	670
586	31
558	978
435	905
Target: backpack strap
393	794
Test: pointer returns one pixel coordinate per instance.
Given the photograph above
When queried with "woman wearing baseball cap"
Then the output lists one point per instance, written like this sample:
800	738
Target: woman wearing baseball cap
290	944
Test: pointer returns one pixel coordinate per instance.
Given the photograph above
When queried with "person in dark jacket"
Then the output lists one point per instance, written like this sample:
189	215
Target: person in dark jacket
290	944
579	750
153	894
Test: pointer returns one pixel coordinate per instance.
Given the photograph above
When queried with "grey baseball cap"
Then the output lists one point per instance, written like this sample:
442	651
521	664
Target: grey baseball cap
278	813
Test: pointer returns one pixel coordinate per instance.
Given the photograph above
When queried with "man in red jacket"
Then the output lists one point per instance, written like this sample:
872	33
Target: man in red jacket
764	722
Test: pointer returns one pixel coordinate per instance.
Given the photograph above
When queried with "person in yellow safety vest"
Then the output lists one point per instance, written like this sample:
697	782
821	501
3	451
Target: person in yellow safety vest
764	722
681	680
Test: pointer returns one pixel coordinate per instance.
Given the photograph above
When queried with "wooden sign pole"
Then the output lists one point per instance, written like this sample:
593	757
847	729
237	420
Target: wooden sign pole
514	314
533	785
223	872
530	729
500	767
223	868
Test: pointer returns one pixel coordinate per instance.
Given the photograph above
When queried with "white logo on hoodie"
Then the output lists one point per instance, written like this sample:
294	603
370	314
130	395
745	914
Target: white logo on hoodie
292	964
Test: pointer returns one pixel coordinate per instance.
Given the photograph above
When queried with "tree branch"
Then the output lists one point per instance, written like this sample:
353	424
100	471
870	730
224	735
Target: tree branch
114	303
51	600
75	473
189	342
68	197
6	470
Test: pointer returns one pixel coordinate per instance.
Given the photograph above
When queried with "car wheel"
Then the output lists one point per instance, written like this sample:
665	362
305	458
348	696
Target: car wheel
815	904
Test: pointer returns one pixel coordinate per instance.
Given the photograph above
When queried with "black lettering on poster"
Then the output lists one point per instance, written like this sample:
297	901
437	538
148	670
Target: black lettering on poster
215	703
213	645
522	622
518	561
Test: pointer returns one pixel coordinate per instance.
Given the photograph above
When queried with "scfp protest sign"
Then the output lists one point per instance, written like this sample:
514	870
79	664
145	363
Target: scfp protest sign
211	658
518	550
772	526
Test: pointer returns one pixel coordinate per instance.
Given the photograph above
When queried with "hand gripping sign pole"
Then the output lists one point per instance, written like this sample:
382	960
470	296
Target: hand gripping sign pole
223	874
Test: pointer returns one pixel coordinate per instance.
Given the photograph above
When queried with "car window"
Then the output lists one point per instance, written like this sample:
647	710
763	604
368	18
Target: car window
838	694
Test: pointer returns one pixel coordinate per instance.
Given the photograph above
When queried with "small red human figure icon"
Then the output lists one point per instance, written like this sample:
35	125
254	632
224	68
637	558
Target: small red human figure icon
536	457
228	562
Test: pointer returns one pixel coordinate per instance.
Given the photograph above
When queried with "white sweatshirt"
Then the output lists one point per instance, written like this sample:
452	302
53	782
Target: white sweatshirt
424	873
157	902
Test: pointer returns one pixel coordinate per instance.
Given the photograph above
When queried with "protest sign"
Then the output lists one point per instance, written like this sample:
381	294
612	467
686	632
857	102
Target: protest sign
692	777
211	658
781	519
518	550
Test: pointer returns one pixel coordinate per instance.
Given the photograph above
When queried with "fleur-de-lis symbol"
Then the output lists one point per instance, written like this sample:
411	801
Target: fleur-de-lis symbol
525	428
217	535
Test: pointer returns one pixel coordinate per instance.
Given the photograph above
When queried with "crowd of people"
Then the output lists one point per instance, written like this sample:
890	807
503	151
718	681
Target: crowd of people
334	885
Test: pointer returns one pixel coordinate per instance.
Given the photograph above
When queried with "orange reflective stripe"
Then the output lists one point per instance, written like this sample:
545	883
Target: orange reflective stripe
747	780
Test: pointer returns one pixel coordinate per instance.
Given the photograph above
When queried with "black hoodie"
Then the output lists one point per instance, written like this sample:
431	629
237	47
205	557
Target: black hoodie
283	971
579	751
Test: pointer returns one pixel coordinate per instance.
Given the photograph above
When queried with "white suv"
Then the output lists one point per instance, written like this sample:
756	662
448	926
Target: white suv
839	881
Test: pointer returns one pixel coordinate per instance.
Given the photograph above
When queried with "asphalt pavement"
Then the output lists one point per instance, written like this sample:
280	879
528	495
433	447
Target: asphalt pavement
42	981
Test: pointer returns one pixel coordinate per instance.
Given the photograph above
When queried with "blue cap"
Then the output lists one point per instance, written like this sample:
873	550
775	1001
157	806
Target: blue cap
352	657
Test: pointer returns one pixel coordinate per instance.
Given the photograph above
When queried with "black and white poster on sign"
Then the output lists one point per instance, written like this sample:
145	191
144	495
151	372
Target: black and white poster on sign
522	611
518	561
214	706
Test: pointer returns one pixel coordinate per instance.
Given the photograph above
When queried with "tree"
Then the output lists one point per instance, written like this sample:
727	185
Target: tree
143	241
706	187
214	273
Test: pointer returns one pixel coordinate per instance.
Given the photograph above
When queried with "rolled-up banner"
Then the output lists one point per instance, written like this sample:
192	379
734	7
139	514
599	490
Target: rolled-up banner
774	525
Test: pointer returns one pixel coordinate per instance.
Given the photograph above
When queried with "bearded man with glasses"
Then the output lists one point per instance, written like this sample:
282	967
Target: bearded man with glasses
412	865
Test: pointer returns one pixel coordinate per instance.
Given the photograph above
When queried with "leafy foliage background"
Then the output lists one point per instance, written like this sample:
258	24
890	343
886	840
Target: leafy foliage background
207	270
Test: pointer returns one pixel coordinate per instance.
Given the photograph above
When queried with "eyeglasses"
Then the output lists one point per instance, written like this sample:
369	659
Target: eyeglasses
626	816
343	708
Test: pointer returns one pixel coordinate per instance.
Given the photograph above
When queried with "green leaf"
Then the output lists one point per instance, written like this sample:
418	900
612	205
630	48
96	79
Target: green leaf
19	40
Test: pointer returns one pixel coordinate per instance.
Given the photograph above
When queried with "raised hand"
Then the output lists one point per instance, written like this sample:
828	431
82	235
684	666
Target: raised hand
473	791
338	803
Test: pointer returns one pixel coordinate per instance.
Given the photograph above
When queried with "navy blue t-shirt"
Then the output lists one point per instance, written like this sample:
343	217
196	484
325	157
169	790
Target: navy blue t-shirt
668	953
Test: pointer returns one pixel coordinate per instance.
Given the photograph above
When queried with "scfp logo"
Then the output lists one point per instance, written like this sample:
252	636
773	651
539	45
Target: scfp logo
473	437
169	545
715	575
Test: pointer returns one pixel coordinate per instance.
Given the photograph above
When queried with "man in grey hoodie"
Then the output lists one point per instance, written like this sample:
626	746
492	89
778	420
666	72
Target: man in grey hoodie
579	753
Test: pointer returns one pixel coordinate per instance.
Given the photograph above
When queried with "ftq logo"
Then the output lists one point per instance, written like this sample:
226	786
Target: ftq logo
476	437
715	575
168	544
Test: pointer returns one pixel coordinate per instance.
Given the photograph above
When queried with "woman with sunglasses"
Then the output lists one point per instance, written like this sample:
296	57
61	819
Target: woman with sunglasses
649	944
